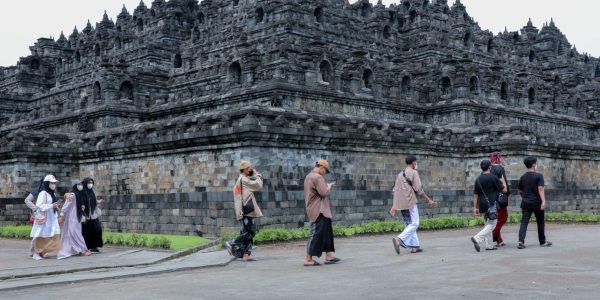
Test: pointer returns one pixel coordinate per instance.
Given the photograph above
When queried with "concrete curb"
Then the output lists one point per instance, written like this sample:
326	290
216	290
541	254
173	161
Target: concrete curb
109	277
175	255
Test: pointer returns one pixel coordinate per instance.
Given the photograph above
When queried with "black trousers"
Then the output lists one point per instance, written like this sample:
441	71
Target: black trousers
539	217
92	234
243	243
321	238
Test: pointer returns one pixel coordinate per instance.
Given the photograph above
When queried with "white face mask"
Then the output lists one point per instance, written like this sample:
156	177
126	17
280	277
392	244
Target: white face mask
416	166
90	185
80	187
52	186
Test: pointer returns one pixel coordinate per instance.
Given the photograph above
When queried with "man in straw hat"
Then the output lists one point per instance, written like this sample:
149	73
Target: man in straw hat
246	210
316	195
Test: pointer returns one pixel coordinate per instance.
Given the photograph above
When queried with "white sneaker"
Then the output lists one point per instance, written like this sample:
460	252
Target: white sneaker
36	256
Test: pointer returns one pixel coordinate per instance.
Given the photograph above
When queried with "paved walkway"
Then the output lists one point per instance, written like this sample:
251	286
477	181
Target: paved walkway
15	262
19	270
449	268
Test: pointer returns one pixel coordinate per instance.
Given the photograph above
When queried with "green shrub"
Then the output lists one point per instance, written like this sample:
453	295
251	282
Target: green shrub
159	242
18	231
372	227
267	235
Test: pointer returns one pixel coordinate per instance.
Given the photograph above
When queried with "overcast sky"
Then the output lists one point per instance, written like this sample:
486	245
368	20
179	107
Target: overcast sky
23	21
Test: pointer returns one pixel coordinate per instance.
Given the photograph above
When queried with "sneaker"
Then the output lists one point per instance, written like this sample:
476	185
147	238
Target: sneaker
36	256
396	245
475	244
546	244
228	247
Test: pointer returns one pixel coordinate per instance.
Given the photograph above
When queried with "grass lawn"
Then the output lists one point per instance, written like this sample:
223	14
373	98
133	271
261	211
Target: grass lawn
175	242
160	241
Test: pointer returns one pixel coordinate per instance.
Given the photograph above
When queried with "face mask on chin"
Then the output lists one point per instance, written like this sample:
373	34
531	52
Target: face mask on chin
90	186
52	186
80	187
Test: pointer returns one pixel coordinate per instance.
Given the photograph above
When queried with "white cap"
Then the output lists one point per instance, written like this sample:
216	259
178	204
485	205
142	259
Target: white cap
50	178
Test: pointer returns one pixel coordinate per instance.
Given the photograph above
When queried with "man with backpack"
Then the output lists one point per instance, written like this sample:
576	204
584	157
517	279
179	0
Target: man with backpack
407	187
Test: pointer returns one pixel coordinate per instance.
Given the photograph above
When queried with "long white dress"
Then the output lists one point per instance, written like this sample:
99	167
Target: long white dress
46	234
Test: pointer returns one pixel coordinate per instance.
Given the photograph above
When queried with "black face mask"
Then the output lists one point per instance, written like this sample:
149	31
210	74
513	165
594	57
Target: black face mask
251	172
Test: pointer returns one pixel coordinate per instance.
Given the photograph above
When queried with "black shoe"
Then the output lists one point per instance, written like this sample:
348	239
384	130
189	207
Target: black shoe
95	250
490	249
475	244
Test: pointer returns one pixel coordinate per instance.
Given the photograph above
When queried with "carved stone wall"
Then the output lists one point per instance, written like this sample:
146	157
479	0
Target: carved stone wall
167	99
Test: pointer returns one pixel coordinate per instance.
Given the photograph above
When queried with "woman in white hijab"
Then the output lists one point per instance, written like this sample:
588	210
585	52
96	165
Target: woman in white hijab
46	230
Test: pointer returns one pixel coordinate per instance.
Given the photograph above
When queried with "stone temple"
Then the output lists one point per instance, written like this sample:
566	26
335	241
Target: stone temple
161	103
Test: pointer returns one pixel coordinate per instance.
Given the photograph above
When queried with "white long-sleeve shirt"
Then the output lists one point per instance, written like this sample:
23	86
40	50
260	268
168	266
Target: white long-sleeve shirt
50	228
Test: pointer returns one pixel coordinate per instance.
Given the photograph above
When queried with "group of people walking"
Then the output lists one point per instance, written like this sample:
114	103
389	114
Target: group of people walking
82	230
318	208
491	198
78	214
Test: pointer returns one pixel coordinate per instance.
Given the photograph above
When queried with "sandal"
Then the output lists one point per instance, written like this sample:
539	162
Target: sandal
332	261
521	246
314	264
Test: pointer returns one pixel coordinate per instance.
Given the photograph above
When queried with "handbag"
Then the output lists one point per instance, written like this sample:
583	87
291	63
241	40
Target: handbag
31	219
98	212
39	218
492	212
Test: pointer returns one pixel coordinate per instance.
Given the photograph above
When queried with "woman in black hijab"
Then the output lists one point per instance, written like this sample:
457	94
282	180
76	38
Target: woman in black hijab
90	226
72	242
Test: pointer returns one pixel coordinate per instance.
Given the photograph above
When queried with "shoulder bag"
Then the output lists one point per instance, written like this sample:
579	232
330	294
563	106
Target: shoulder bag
247	206
409	182
502	197
492	212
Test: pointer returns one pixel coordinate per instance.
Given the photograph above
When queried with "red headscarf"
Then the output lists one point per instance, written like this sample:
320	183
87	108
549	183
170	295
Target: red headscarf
496	158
